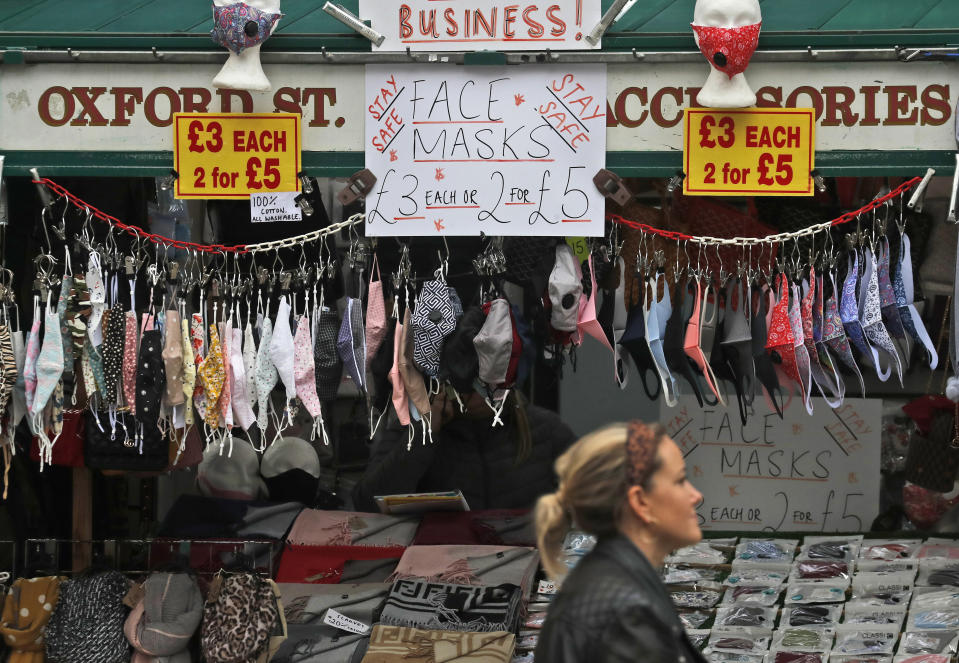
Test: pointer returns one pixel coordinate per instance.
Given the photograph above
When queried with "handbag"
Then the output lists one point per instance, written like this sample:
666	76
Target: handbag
125	445
933	459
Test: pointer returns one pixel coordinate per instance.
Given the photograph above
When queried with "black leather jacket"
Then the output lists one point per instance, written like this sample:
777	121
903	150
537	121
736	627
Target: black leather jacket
614	608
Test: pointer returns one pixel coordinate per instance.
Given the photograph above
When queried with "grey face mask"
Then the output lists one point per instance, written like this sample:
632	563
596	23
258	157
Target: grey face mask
494	344
565	289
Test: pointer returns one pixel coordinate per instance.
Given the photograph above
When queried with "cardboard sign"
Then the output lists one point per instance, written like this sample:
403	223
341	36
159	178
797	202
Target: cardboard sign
801	473
465	150
344	623
754	151
274	207
233	155
425	25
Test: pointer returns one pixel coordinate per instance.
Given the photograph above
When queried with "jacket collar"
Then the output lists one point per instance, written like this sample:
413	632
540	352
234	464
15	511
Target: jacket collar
621	551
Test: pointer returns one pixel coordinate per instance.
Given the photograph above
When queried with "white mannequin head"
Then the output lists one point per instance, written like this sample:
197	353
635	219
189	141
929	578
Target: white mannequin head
243	71
738	21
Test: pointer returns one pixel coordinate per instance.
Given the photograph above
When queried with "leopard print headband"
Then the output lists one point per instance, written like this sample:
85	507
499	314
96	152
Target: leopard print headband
642	440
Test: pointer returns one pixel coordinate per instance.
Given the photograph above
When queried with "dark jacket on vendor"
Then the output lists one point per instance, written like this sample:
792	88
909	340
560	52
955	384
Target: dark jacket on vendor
614	608
470	455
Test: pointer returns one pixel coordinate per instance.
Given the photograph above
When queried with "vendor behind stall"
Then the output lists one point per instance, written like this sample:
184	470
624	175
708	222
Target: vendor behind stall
501	467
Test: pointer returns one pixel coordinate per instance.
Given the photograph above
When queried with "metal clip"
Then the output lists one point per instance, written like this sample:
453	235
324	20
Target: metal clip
129	265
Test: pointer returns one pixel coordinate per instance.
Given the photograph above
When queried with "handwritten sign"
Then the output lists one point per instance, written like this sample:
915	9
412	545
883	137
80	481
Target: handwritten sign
232	155
464	150
425	25
339	620
757	151
800	473
274	207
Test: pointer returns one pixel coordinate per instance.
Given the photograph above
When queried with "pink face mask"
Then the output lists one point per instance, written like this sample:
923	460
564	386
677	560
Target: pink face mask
728	49
304	370
587	323
375	315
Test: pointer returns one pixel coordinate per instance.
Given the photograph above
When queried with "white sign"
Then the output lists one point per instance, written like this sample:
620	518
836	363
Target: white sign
505	151
429	25
546	587
342	622
274	207
801	473
94	107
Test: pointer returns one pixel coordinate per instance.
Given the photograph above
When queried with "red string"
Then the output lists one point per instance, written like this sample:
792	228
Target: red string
136	230
844	218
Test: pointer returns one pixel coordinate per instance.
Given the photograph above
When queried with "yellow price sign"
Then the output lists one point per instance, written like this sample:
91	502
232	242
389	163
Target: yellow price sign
750	151
580	247
231	155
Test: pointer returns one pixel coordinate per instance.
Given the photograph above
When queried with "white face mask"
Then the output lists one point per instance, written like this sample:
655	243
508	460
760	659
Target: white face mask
98	297
281	349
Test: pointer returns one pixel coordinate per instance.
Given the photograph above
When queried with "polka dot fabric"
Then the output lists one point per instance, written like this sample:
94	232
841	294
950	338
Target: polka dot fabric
150	378
303	367
130	361
112	352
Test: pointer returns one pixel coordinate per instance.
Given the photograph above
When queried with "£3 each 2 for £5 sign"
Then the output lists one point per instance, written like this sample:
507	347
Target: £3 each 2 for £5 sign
753	151
233	155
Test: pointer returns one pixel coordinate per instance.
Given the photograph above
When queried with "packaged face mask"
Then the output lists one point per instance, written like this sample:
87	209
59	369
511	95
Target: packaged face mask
766	550
756	573
746	615
853	639
799	638
811	615
860	612
756	594
704	552
888	550
827	591
740	640
830	548
929	642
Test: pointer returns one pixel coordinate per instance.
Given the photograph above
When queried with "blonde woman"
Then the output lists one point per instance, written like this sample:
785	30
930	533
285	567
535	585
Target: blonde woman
627	485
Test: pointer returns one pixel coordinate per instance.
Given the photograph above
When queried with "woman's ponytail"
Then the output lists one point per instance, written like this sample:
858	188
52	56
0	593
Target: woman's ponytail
552	523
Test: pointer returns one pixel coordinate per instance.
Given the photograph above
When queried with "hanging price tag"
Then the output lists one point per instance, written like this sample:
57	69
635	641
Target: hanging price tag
546	587
752	151
233	155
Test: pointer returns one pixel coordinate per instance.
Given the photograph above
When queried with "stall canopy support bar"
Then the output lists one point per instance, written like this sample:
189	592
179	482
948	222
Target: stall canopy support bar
897	53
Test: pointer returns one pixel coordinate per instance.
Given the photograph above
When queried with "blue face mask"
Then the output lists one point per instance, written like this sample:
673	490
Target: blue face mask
240	26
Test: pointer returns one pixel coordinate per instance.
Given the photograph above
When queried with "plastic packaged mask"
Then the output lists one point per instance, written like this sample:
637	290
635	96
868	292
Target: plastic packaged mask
240	26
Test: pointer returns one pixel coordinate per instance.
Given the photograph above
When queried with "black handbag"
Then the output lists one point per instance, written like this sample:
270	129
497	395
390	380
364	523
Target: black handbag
127	445
932	460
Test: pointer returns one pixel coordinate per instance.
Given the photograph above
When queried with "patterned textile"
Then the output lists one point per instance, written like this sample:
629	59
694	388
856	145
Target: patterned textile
150	379
470	565
375	314
780	336
230	23
130	362
887	295
802	356
326	359
433	320
8	368
737	46
161	624
211	375
26	612
238	619
870	316
449	607
834	336
113	323
303	367
189	371
225	403
351	343
344	528
173	359
849	308
910	317
399	644
196	342
266	375
74	635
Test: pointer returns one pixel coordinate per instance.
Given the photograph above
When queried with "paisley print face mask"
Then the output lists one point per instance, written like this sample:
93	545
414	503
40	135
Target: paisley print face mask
240	26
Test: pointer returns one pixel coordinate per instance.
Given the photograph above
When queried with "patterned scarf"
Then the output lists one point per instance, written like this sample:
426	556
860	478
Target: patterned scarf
448	607
343	528
469	565
87	622
397	644
26	613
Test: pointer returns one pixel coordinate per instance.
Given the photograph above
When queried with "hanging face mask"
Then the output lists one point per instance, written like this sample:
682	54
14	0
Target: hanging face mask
620	359
30	361
304	368
780	341
737	345
66	288
8	369
494	344
703	315
675	336
400	401
211	375
887	297
49	372
834	335
240	26
433	320
826	382
114	321
657	313
587	324
249	360
173	359
375	313
903	286
728	49
151	379
266	375
196	343
130	361
412	378
225	403
97	299
351	343
565	289
281	349
19	404
239	396
189	372
849	311
799	345
326	358
762	361
870	317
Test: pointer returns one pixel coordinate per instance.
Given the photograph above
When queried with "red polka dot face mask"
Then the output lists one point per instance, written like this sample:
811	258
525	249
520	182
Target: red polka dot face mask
728	49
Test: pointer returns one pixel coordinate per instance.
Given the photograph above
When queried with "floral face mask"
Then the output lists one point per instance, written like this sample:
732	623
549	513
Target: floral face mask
240	26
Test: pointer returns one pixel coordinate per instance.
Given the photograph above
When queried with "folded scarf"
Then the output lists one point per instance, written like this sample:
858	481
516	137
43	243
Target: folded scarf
345	528
312	641
200	517
469	565
164	620
335	564
87	623
495	527
446	607
399	644
26	611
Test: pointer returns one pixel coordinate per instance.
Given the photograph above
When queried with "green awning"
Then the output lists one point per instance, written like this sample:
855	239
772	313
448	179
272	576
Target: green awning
648	24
